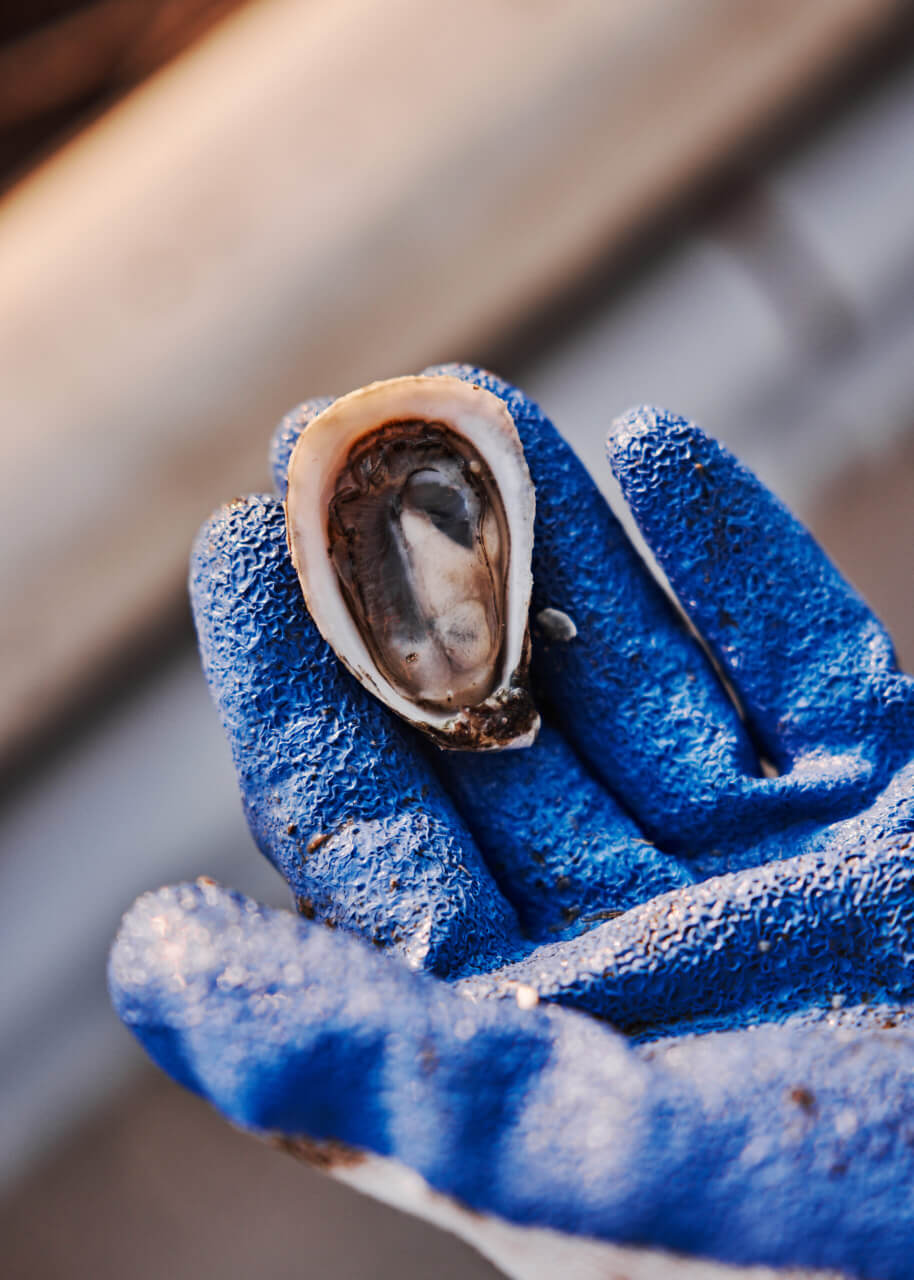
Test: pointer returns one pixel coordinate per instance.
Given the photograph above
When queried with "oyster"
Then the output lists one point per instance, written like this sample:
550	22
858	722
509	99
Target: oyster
409	517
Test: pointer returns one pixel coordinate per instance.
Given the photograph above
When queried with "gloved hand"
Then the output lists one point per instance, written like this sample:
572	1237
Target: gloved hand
587	934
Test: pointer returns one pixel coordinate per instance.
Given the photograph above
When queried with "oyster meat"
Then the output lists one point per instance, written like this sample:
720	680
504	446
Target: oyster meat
409	516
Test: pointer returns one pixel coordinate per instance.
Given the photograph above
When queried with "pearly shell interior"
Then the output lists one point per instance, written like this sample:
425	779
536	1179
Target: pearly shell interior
409	517
419	539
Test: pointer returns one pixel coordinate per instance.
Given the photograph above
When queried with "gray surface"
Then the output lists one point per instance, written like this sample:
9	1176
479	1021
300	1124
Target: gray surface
147	796
798	382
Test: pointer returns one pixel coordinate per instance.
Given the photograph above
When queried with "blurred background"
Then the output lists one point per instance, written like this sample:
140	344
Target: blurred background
210	210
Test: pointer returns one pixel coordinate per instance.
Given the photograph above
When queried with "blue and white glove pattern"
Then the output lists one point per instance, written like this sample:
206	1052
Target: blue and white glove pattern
649	981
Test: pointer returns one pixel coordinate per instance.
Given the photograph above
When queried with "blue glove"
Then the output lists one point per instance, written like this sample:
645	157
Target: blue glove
638	864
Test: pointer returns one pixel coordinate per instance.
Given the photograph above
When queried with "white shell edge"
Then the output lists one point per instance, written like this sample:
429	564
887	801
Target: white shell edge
320	452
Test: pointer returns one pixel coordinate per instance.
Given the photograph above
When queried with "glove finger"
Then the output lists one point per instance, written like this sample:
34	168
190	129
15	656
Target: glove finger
801	1129
561	849
290	1029
811	664
632	690
835	920
337	795
285	436
542	1117
563	852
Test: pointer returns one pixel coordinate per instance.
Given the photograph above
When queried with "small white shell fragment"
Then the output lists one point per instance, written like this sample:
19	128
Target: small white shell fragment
409	519
555	626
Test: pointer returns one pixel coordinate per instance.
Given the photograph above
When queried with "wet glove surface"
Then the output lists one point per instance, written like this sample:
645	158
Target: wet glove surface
638	863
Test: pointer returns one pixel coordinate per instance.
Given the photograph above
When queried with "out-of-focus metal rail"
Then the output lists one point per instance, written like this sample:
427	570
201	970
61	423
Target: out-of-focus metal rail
321	192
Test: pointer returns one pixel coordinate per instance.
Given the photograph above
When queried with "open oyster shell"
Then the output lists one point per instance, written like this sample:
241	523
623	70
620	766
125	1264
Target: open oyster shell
409	517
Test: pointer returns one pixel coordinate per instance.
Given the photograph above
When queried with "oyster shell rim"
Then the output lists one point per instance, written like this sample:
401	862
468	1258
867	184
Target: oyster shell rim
507	717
